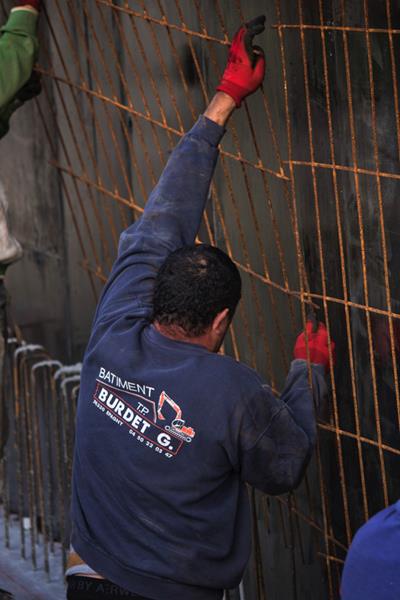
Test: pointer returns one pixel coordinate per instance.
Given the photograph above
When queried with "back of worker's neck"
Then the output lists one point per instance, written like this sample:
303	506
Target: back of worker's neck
174	332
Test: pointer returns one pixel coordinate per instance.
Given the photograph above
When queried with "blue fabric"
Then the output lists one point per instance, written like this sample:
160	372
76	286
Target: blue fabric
372	567
167	432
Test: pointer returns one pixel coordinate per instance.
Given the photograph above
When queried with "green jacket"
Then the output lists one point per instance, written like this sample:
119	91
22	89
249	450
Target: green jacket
18	53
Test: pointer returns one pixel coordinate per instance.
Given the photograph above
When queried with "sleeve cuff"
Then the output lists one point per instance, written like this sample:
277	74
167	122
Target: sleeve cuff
301	363
22	20
208	130
25	8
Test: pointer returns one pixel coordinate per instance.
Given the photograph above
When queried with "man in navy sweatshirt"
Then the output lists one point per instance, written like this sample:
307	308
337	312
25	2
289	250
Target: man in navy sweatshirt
372	567
168	430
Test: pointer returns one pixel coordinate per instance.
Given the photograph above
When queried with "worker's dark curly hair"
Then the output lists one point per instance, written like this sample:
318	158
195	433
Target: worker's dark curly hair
193	285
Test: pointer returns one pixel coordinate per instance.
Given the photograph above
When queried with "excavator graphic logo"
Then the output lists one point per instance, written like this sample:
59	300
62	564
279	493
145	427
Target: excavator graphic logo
177	426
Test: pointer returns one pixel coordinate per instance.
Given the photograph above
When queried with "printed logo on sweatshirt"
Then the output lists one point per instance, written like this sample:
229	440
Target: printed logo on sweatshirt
146	423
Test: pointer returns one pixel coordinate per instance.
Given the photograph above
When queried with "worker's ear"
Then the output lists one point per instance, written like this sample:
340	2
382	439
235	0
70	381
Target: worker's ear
221	321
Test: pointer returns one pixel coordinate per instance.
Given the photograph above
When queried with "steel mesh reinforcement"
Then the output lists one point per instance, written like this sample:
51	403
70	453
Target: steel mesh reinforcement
304	201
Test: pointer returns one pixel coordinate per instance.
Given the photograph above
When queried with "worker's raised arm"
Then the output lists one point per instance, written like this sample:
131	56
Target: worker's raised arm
18	50
278	435
173	213
174	210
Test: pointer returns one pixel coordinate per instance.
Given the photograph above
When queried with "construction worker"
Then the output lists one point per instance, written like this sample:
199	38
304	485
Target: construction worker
372	567
168	430
18	52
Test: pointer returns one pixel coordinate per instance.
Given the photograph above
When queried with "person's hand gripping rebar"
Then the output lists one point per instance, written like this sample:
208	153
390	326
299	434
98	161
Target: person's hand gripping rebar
245	70
318	348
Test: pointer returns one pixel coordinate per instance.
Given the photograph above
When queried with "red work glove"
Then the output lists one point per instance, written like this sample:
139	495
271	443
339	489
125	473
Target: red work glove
317	345
245	70
33	3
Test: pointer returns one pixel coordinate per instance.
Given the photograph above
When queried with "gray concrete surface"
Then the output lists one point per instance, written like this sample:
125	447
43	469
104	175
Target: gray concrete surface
18	577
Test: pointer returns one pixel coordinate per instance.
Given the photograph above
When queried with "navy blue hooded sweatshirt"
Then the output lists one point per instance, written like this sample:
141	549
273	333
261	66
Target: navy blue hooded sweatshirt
168	432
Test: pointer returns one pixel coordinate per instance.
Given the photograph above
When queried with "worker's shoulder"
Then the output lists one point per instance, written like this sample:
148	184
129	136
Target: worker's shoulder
380	524
227	367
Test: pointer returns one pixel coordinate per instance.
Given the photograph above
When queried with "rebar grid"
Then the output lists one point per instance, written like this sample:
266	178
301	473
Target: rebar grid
304	177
